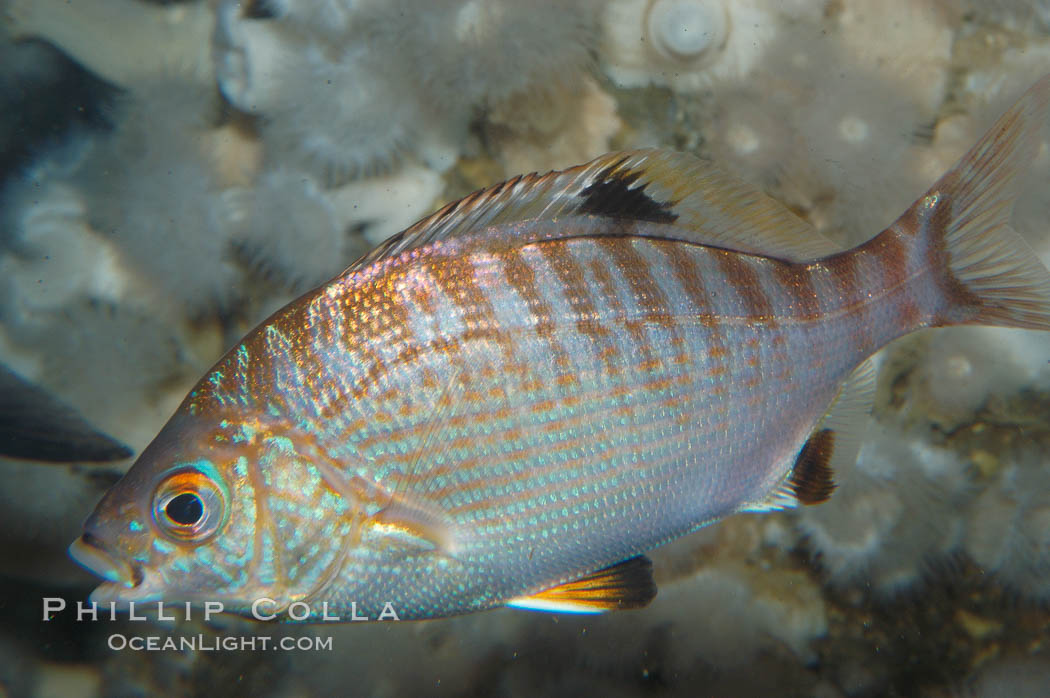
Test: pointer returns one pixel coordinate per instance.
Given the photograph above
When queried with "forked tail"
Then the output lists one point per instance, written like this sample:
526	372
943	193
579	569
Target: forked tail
990	274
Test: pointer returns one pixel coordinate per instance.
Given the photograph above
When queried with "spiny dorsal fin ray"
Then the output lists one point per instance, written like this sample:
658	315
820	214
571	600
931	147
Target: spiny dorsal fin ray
672	195
628	584
832	445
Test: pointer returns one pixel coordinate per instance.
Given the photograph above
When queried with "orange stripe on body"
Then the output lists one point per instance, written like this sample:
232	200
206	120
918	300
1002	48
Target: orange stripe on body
502	411
658	426
647	296
687	273
743	277
572	276
797	281
522	279
545	447
892	253
845	273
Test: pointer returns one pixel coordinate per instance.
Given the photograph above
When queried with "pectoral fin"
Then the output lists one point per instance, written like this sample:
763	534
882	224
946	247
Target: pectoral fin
628	584
429	526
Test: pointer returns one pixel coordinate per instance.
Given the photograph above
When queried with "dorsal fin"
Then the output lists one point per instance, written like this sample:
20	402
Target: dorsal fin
677	195
833	444
628	584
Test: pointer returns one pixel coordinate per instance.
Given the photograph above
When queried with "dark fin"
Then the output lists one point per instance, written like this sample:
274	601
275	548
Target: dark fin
675	195
626	585
811	479
617	194
832	445
36	426
994	277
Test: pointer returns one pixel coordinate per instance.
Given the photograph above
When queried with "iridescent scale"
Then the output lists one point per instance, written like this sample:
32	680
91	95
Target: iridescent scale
570	401
514	399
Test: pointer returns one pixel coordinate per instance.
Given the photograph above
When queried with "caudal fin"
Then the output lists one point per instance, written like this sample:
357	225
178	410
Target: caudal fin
995	277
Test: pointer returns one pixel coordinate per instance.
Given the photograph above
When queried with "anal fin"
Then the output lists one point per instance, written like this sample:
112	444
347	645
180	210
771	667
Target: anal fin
628	584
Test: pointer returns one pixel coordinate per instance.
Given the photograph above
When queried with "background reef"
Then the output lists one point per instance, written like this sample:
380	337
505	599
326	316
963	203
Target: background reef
171	172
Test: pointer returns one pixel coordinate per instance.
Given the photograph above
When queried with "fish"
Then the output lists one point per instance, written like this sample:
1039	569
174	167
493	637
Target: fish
35	425
513	401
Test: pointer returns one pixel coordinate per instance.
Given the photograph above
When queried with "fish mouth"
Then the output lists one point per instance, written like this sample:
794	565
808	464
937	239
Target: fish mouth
126	580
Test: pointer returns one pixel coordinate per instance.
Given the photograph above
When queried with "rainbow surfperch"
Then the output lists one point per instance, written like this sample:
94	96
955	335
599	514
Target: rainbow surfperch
510	402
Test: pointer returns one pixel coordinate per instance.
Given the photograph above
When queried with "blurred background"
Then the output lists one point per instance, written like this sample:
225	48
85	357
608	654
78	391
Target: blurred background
172	172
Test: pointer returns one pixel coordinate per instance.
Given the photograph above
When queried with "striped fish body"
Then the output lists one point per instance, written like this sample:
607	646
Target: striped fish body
544	380
608	393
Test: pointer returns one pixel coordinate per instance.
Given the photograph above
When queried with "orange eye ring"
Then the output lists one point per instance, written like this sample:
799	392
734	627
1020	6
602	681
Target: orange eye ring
189	505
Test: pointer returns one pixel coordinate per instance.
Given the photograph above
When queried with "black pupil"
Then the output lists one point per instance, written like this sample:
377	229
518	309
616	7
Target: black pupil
185	509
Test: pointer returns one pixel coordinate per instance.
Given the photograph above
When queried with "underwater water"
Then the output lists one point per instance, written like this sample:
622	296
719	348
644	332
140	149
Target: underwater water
173	172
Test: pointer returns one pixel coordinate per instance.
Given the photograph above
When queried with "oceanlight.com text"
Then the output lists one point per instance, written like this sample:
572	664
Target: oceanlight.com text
210	643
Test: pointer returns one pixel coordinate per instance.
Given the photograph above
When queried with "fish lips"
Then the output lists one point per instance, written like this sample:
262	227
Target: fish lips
126	580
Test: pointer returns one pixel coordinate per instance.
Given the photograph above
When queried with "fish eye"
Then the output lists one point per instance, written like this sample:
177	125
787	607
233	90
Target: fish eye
189	506
185	509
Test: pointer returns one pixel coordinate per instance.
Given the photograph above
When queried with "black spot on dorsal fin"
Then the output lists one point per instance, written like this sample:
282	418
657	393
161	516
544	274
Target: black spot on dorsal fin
611	195
811	479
